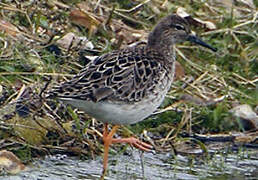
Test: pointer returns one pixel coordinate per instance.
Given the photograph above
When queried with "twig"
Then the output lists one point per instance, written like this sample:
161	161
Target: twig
34	73
135	8
45	87
124	16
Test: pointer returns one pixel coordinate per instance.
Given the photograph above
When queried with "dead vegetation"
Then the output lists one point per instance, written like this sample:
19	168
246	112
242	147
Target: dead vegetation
44	42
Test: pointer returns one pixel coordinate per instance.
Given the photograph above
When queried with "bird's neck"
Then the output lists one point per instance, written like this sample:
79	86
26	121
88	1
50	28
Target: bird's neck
163	46
164	49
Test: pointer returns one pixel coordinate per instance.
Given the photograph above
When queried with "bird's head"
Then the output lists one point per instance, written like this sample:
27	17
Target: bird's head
171	30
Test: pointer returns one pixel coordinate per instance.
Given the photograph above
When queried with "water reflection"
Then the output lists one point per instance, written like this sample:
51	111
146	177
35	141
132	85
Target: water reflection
242	165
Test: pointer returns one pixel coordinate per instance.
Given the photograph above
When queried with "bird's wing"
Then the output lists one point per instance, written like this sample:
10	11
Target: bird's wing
122	75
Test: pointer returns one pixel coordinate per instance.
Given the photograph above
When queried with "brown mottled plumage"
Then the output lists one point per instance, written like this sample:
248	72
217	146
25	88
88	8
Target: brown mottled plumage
126	86
123	75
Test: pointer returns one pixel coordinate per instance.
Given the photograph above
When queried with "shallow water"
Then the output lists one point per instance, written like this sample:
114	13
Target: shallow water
241	165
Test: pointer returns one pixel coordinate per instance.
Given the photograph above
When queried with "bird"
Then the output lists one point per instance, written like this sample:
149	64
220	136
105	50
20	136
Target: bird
126	86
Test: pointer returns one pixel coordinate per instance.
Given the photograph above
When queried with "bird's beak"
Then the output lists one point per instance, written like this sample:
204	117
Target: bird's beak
196	40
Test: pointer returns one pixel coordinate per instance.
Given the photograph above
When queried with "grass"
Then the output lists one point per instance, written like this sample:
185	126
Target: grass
29	56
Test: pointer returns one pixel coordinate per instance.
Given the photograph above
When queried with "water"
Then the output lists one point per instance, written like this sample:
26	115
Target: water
241	165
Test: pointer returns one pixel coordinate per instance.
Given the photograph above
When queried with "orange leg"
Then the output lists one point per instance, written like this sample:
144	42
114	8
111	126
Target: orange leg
108	140
134	142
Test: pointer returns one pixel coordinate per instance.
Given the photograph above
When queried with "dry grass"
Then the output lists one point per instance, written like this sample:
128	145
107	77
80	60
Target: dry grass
198	102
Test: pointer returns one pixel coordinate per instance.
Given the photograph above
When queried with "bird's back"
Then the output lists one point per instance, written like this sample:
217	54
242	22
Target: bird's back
128	75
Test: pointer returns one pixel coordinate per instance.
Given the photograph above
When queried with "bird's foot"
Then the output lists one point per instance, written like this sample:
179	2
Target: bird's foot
108	140
134	142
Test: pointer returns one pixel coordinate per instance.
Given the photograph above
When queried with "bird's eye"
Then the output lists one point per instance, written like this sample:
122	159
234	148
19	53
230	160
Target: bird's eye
179	27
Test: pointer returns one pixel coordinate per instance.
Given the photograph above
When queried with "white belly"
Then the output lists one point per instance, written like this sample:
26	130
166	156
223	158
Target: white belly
118	112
